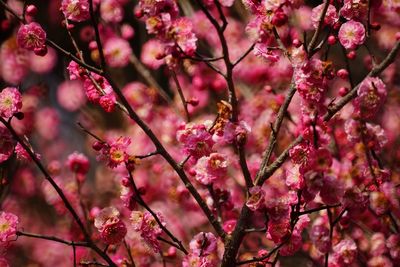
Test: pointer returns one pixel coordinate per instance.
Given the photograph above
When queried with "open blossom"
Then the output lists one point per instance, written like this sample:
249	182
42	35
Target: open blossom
331	16
345	252
372	134
256	198
203	244
78	163
8	226
354	9
196	140
211	168
32	37
75	10
370	96
117	52
319	235
115	152
14	61
151	51
352	34
181	34
70	95
111	11
112	229
10	102
147	226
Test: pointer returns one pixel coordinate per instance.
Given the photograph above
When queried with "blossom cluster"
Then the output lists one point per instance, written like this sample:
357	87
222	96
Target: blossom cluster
199	133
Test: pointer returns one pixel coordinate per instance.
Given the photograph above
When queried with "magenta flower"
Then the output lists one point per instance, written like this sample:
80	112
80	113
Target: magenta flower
10	102
8	226
331	16
32	37
196	140
371	94
112	229
319	235
75	10
111	11
354	9
345	251
117	52
78	163
256	198
203	244
352	34
211	168
147	226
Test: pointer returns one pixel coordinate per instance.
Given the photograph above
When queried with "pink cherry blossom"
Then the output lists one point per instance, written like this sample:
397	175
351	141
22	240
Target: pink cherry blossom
8	226
371	94
352	34
211	168
331	16
117	52
75	10
10	102
256	198
32	37
203	244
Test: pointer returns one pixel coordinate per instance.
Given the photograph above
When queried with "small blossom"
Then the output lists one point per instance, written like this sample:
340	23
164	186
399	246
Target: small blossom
8	226
151	52
345	251
320	237
332	190
331	16
115	152
256	198
75	10
147	226
10	102
107	102
32	37
112	229
304	156
211	168
203	244
352	34
70	95
354	9
370	96
111	11
196	140
22	154
181	34
117	52
78	163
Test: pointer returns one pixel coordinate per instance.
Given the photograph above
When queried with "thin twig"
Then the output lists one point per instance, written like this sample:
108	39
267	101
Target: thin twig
314	39
181	95
54	239
140	200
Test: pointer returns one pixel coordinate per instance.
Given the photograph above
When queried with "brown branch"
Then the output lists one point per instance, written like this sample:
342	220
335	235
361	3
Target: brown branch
97	35
317	32
53	238
181	95
140	200
275	130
